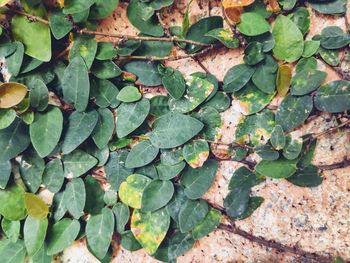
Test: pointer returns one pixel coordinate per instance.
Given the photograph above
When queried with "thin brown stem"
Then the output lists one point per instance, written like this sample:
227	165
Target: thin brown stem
169	58
142	38
340	165
330	130
29	16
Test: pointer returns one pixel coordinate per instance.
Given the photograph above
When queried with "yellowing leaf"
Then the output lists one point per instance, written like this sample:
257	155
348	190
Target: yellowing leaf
284	76
150	228
11	94
4	2
273	6
35	206
234	14
236	3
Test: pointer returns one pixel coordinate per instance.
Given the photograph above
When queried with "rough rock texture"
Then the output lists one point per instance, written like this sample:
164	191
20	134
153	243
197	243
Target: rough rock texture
314	219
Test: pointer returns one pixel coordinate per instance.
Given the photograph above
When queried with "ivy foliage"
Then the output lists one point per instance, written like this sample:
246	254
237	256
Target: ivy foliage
64	119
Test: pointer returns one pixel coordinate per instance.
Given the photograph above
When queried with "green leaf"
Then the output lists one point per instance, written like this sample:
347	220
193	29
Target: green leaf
61	235
80	126
310	48
77	6
34	232
265	75
99	230
333	96
179	244
174	84
167	172
122	215
12	206
197	92
150	228
171	156
38	95
225	36
115	169
156	195
53	176
267	152
105	93
253	53
167	133
196	153
94	196
146	72
103	8
236	202
59	24
41	256
101	155
77	163
208	225
15	59
330	56
336	7
281	168
301	17
159	105
106	69
129	94
11	229
148	170
333	37
252	24
58	206
253	204
306	177
7	116
5	173
35	37
85	47
191	214
131	190
176	203
237	77
289	40
242	178
30	64
105	51
13	140
197	31
13	252
278	139
35	206
45	131
198	181
129	242
293	148
293	111
104	128
307	81
76	84
135	11
220	102
154	48
252	100
75	197
11	94
141	154
255	129
31	170
211	119
130	116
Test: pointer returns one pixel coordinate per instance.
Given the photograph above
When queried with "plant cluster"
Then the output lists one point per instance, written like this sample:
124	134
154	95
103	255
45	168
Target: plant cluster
71	106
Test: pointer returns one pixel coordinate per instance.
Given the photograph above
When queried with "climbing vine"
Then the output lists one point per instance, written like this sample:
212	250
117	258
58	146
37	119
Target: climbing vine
77	124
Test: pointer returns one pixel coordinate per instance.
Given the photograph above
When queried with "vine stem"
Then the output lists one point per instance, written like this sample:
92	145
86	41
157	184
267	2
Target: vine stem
232	228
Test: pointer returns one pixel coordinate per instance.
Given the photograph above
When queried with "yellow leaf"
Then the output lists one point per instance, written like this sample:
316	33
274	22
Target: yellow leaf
4	2
236	3
273	6
11	94
35	206
284	76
